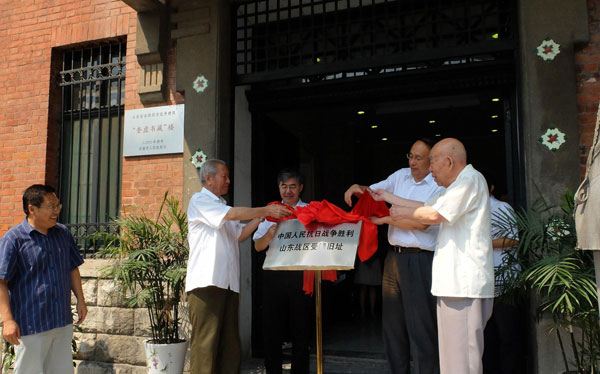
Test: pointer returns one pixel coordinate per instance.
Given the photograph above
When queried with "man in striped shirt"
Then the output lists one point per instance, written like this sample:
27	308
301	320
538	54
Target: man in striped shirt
38	269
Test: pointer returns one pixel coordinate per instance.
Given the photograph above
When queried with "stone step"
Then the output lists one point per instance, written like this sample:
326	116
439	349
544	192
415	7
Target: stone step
332	364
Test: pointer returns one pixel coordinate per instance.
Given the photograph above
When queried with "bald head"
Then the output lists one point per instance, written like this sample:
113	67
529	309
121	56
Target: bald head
448	159
453	148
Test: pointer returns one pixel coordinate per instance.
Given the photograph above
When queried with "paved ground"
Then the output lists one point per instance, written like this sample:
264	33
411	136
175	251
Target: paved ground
331	365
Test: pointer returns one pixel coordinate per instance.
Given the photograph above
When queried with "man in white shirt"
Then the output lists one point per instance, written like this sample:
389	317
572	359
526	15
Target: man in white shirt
463	267
213	271
285	305
408	307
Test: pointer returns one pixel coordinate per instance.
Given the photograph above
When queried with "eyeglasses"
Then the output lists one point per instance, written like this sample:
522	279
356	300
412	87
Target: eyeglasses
52	207
410	157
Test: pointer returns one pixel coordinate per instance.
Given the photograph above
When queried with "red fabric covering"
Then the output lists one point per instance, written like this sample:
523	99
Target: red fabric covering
368	207
291	216
326	213
309	279
329	214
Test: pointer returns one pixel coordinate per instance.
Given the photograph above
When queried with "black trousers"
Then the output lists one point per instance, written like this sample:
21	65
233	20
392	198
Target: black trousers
501	337
285	304
409	316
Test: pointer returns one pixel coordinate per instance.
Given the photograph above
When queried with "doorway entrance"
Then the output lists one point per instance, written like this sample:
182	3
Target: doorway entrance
360	132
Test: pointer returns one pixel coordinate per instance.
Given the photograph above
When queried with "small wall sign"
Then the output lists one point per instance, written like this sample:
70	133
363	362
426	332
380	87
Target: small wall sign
153	131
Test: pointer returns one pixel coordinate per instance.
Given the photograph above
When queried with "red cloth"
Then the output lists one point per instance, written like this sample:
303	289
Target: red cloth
291	216
309	279
329	214
368	207
326	213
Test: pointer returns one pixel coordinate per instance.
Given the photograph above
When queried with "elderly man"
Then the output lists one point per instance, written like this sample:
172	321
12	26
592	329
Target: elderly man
408	307
283	297
38	269
463	267
213	271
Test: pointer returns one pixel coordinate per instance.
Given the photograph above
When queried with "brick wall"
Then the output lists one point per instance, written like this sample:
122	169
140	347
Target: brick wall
29	31
147	178
587	60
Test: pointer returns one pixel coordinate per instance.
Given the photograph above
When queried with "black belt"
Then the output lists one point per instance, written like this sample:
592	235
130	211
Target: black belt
400	249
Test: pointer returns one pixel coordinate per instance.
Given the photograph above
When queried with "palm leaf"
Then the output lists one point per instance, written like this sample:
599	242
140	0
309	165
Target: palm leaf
149	267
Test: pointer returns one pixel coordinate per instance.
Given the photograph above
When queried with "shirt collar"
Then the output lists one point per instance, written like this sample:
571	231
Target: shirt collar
299	203
207	192
428	178
28	228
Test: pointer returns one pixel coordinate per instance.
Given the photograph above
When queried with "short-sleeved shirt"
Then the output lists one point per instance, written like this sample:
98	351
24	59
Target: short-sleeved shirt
502	212
38	270
214	258
264	226
402	184
462	264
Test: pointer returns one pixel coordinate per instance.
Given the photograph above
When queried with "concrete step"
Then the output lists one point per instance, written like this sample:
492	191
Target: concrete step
332	364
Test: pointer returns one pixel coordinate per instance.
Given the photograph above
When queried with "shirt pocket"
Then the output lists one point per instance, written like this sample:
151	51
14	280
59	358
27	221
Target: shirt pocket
33	257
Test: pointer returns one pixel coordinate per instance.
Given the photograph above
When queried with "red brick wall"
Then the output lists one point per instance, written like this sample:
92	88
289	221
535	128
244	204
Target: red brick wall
587	60
145	179
29	30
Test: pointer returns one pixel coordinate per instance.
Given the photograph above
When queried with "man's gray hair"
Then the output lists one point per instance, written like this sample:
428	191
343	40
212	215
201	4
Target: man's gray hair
210	167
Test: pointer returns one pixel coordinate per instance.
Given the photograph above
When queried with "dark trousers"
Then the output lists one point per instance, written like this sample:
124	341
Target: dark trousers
501	336
409	313
215	342
285	304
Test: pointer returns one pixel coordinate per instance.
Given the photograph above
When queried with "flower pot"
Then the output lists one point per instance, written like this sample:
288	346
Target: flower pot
165	358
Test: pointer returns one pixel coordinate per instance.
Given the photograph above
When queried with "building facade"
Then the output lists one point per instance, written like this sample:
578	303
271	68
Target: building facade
336	88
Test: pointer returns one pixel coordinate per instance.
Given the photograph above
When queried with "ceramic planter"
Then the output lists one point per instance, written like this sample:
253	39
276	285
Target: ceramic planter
165	358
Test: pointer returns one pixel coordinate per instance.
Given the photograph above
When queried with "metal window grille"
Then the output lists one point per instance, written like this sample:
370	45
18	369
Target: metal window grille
332	39
92	82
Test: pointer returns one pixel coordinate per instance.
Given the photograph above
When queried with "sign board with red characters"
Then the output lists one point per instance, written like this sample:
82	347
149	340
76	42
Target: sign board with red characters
323	247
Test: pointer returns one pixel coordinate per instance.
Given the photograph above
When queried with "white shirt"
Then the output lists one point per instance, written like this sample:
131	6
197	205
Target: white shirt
214	252
462	264
264	226
402	184
501	212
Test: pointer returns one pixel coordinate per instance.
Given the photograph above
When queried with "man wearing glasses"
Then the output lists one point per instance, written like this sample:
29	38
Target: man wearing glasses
408	308
38	269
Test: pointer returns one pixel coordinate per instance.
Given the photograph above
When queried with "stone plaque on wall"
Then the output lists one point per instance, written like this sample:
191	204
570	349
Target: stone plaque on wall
153	131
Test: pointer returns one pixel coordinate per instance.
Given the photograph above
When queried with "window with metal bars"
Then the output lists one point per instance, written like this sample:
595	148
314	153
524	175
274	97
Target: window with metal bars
336	39
92	81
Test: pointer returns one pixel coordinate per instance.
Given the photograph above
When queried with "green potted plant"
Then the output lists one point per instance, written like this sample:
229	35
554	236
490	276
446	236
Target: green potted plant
562	278
149	269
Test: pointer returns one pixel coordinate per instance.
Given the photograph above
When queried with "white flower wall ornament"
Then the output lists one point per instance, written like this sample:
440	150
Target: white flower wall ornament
200	84
198	159
548	49
553	139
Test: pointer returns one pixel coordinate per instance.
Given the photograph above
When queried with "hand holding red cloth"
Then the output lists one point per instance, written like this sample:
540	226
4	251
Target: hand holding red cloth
367	206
